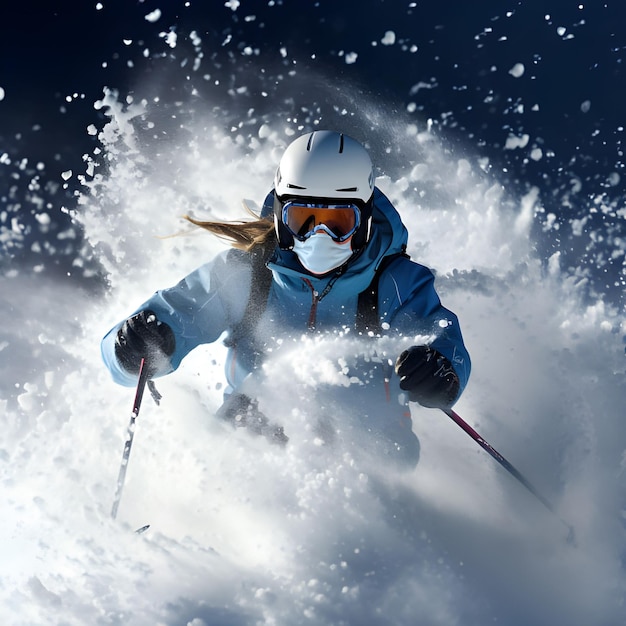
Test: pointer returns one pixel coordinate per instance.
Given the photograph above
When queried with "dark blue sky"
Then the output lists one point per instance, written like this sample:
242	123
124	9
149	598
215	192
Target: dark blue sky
53	49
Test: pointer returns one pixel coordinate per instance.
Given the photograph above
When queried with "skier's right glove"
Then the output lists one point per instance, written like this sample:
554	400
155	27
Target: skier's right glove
142	336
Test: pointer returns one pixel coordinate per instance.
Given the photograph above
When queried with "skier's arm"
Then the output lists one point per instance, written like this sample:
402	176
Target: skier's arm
198	310
414	308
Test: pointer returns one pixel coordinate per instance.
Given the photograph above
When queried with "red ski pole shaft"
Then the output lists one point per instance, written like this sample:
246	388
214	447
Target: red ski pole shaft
141	385
485	445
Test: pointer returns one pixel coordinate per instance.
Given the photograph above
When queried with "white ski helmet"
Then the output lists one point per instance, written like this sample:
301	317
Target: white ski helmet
325	167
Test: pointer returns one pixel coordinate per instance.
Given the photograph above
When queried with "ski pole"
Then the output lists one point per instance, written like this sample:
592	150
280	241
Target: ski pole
141	385
485	445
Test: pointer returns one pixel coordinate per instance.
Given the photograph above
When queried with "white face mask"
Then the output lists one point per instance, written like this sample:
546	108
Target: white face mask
319	254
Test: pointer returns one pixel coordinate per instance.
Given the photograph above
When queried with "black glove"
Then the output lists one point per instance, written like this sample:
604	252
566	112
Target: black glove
143	336
428	377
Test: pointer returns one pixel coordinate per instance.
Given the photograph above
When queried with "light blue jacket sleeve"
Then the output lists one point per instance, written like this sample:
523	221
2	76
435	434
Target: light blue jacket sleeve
199	309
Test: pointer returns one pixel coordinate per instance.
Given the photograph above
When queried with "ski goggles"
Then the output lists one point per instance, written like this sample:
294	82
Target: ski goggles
340	221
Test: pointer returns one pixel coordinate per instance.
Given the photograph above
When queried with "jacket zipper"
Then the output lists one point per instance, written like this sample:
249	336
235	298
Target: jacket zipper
314	300
317	297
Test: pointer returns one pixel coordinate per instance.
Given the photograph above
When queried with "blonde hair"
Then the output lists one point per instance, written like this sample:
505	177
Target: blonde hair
243	235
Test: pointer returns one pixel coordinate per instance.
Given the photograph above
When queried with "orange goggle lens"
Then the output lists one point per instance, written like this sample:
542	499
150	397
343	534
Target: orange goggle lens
340	221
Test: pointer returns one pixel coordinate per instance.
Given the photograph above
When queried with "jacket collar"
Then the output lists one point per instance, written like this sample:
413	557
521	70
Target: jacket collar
389	236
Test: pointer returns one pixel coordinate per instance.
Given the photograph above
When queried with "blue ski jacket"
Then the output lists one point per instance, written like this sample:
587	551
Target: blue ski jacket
212	300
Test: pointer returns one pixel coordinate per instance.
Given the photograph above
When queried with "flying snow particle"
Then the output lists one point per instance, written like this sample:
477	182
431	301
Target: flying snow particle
613	179
585	106
170	38
513	141
421	85
554	264
578	226
233	5
66	175
517	70
1	94
154	16
351	57
389	39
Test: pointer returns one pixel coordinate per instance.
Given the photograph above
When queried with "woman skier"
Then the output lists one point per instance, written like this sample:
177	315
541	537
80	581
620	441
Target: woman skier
327	255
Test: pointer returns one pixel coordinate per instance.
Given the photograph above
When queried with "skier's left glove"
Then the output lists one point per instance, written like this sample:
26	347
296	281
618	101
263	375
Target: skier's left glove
144	336
428	377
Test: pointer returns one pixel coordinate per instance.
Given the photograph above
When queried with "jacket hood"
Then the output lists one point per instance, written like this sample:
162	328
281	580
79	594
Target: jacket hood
388	236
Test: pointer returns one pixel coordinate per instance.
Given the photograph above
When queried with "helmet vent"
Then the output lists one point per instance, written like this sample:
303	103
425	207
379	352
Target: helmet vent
347	189
292	186
341	143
